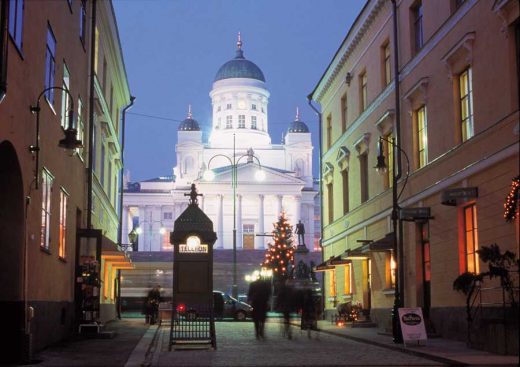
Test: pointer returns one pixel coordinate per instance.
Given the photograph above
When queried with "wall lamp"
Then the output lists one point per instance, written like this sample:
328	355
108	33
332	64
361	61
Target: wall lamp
70	142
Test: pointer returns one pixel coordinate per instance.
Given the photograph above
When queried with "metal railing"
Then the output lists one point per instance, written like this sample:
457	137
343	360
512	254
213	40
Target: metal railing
191	325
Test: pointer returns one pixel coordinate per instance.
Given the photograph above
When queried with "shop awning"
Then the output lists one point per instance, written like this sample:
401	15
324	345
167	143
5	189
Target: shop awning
384	244
331	263
112	254
355	254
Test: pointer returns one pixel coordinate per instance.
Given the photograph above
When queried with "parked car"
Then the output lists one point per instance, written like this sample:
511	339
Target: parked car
224	307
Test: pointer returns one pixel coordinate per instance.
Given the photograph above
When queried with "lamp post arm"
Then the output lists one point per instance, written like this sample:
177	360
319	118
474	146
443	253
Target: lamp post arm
36	147
220	155
407	164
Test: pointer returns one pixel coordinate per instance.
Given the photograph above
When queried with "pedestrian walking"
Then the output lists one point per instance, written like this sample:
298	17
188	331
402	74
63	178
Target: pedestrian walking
310	312
286	304
152	305
258	296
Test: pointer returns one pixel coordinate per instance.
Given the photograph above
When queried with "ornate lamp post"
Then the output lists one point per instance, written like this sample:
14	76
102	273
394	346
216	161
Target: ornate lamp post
209	175
397	248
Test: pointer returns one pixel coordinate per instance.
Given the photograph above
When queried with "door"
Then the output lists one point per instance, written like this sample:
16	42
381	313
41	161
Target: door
248	239
426	270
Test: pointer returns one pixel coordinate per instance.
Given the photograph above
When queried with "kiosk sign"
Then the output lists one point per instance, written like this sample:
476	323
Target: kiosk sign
412	324
197	249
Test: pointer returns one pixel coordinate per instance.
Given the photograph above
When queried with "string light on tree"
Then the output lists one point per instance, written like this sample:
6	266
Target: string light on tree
280	256
511	204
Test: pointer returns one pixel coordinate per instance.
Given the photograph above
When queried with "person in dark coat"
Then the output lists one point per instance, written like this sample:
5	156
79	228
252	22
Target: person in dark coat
310	311
258	296
286	305
152	304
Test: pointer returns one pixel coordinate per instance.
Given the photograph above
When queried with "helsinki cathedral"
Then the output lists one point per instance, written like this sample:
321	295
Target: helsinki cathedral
246	180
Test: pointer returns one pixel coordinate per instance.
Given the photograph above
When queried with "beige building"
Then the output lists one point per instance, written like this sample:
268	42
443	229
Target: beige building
45	78
459	127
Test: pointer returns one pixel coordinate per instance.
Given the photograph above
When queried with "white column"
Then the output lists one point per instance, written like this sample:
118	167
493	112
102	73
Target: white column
124	226
220	222
201	203
239	222
156	243
142	224
278	206
260	240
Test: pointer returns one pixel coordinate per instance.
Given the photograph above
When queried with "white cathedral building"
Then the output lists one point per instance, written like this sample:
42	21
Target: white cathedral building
238	147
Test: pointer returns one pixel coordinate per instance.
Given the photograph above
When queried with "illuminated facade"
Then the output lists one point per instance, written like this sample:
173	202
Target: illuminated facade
458	129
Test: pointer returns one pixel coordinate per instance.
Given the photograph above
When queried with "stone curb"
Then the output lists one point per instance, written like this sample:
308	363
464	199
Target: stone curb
139	356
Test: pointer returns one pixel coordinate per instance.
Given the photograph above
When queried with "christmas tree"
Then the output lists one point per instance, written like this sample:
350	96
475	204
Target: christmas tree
280	256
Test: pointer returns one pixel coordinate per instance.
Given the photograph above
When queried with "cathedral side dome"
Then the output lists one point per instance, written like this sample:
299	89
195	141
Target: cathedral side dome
298	126
239	67
189	123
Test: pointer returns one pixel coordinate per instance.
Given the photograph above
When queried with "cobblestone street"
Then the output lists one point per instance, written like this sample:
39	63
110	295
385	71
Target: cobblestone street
237	346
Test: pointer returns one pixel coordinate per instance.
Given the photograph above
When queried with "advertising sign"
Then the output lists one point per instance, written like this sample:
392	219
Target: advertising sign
412	324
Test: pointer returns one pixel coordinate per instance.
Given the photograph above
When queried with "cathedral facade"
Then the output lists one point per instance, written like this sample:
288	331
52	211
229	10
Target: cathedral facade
250	181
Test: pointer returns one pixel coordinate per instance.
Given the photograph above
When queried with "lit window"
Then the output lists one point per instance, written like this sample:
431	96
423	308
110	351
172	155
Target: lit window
229	122
387	73
471	238
64	198
82	21
16	21
363	91
50	55
81	127
65	99
332	283
253	122
422	136
47	180
347	279
241	121
390	270
344	113
466	104
417	12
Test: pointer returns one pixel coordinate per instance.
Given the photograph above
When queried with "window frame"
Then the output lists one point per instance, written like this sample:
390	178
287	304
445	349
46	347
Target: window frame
467	123
386	64
472	255
345	185
421	134
50	65
347	279
363	176
241	121
329	131
82	21
417	26
330	202
62	239
229	121
46	207
253	123
344	111
65	99
16	16
363	91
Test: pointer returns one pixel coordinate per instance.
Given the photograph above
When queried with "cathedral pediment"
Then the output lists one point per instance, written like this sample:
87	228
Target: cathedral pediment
246	174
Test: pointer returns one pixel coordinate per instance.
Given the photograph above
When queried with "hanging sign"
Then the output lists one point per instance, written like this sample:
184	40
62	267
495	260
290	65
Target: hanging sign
412	214
412	324
452	196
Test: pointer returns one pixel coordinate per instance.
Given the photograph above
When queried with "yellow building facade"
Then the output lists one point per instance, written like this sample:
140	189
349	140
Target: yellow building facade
459	132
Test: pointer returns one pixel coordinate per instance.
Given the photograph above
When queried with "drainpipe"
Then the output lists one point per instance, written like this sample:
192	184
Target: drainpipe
309	99
91	164
121	188
3	48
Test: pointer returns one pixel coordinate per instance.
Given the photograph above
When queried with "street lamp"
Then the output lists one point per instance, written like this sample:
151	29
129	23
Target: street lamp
70	142
397	247
209	175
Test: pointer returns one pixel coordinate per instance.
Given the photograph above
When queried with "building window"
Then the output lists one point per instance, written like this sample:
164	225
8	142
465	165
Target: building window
81	127
82	21
387	73
241	121
344	176
332	283
111	100
167	215
344	113
94	149
219	108
390	269
64	199
229	122
47	180
65	99
388	151
102	169
422	137
347	280
109	191
228	106
16	21
466	103
50	66
253	107
253	122
471	238
363	91
417	16
363	174
105	71
330	202
329	131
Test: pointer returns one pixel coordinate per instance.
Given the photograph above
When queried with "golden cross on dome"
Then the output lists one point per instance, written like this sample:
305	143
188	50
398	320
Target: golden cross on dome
239	42
189	111
297	114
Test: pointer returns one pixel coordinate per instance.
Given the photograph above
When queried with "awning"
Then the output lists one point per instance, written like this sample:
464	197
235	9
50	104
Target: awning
384	244
331	263
355	254
111	253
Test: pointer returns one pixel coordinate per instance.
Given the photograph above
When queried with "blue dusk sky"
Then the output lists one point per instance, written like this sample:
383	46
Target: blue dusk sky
173	49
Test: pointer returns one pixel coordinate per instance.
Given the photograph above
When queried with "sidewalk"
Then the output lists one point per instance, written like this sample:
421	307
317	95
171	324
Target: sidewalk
442	350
